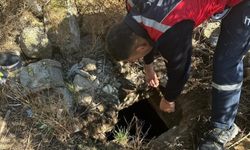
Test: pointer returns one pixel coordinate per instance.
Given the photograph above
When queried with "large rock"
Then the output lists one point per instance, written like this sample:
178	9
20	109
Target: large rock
84	99
62	25
42	75
88	64
82	83
35	44
109	89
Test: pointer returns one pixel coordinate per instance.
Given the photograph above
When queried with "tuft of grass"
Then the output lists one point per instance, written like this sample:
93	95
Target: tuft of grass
73	92
135	142
121	136
70	87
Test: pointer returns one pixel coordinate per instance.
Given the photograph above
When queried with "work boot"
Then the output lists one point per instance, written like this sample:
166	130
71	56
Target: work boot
217	138
3	76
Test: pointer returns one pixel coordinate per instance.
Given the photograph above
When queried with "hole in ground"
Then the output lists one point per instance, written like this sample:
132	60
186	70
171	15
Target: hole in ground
147	118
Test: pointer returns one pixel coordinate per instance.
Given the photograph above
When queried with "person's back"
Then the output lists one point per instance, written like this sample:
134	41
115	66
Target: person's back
157	16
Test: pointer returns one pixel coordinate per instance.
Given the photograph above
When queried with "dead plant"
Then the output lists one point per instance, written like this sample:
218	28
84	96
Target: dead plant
51	117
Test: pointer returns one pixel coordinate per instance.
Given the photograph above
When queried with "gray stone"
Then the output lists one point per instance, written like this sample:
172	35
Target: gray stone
123	67
214	41
110	89
99	61
62	25
42	75
82	84
35	44
117	84
88	64
67	98
169	143
83	73
96	83
92	78
73	70
85	99
99	70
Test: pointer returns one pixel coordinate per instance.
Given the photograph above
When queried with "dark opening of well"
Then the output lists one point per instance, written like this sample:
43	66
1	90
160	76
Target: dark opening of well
147	116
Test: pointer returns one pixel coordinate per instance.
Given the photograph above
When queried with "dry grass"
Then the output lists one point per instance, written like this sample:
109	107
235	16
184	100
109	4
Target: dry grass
98	16
50	121
139	139
11	13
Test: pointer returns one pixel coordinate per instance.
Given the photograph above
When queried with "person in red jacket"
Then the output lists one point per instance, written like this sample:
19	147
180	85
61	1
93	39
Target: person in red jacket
166	27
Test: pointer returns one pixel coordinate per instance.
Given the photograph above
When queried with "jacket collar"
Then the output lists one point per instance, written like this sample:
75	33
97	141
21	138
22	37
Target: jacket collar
138	29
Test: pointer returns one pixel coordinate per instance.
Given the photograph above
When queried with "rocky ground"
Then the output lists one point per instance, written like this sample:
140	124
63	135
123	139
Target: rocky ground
68	92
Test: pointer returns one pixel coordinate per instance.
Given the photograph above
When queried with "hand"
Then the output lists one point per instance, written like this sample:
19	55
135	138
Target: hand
151	77
167	106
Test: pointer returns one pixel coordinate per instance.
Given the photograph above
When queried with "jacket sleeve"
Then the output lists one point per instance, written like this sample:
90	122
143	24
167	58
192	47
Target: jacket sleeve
176	47
149	58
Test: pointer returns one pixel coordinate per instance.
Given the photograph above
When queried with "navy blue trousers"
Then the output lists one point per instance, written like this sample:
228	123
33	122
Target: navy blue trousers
232	45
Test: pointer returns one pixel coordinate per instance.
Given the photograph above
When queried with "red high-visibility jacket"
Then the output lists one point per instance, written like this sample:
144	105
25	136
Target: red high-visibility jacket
157	16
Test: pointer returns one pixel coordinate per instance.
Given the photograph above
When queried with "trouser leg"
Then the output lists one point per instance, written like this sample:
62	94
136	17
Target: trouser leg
228	66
